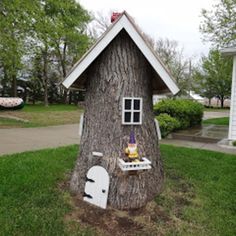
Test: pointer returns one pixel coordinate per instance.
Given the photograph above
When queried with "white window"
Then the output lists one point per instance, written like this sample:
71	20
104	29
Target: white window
132	111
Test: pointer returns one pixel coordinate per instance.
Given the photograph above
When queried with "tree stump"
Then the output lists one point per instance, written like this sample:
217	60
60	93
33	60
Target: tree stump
120	71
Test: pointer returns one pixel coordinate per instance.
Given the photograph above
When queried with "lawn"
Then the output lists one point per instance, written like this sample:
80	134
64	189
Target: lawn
39	115
42	108
217	121
198	197
7	122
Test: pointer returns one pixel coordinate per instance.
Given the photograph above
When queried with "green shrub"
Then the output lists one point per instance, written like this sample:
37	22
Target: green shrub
167	124
189	113
234	143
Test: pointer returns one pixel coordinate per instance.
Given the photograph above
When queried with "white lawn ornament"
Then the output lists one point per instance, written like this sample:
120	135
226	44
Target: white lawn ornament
11	103
81	125
97	186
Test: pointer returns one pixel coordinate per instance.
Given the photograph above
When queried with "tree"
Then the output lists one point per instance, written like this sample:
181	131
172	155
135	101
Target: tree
215	77
203	84
172	56
60	38
219	24
99	24
53	31
14	25
70	41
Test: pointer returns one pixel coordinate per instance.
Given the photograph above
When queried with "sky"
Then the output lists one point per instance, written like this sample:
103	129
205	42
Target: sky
173	19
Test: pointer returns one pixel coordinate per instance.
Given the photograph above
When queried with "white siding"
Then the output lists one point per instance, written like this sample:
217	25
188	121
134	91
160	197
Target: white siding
232	122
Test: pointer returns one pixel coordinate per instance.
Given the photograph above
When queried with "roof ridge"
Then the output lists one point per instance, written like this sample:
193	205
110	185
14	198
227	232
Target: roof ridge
135	32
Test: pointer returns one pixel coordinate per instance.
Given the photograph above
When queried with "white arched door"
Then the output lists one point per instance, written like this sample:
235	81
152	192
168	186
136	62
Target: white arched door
97	186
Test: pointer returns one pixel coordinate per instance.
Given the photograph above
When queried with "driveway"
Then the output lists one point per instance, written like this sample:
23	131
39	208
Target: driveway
28	139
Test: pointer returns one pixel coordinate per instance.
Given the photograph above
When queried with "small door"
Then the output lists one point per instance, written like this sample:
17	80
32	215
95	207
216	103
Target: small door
97	186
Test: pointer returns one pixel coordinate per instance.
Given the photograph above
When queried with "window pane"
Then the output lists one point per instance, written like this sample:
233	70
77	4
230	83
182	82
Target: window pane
136	117
136	104
128	117
127	104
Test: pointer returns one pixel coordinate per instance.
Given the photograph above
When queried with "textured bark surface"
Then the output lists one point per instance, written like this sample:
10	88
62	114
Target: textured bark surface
120	71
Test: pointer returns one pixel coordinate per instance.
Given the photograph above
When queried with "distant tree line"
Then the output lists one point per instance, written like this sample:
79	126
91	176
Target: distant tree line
40	41
211	76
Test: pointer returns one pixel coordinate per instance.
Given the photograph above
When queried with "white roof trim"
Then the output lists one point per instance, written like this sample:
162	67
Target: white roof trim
228	51
122	23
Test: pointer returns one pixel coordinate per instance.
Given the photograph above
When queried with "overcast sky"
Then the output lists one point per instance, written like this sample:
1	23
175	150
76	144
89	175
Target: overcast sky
174	19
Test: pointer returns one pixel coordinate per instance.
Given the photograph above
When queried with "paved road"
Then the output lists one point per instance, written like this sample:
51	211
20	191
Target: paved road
27	139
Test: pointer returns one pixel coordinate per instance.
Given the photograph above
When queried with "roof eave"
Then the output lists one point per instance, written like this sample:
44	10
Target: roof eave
228	51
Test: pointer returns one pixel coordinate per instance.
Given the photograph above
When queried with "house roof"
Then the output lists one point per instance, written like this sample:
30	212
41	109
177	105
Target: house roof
165	81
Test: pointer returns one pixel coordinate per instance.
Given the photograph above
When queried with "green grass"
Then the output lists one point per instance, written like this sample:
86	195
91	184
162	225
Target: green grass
42	108
217	121
217	109
198	197
5	122
30	201
40	116
210	180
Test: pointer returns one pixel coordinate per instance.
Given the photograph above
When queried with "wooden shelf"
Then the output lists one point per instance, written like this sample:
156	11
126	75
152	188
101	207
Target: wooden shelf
145	164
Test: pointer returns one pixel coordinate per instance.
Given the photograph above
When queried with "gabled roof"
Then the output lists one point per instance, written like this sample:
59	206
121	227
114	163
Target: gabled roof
125	22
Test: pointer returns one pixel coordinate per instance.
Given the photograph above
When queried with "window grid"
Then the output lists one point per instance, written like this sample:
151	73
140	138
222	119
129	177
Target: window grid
132	111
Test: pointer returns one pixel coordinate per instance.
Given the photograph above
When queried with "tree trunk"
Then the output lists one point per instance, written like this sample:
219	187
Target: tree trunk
4	81
14	86
46	94
65	96
222	99
3	88
70	97
62	59
209	102
120	71
45	76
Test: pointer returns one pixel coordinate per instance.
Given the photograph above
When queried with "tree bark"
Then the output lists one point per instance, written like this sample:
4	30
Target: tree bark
5	78
62	60
45	76
222	99
120	71
209	101
14	86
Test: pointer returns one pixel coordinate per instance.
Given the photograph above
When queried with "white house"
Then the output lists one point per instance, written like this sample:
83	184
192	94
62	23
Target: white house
232	120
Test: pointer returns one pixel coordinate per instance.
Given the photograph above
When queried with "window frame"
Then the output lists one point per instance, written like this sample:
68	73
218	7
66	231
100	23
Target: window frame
132	110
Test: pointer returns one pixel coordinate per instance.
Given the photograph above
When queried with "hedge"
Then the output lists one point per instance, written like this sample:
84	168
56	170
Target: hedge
189	113
167	124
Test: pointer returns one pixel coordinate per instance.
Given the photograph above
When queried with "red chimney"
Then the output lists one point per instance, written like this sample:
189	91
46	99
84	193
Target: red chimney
114	16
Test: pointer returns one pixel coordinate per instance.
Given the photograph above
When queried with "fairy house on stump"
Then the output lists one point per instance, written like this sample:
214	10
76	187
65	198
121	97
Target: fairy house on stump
119	161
